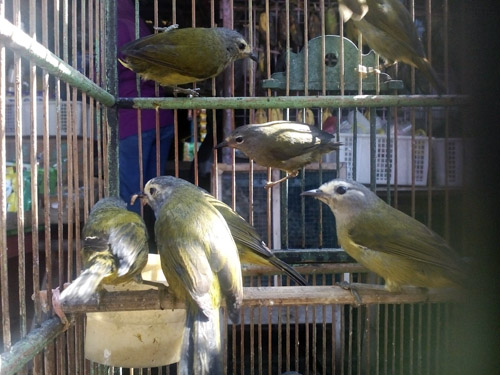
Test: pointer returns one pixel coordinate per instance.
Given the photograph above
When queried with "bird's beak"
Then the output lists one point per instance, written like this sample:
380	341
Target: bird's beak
316	193
222	144
254	56
134	197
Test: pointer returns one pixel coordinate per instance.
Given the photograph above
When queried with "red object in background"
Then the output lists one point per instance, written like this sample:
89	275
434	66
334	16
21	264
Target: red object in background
330	124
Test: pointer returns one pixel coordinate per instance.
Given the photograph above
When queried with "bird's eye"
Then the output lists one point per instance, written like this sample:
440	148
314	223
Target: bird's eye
341	190
152	191
241	46
239	139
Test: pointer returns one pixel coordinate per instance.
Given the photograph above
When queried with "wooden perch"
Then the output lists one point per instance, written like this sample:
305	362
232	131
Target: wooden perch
267	296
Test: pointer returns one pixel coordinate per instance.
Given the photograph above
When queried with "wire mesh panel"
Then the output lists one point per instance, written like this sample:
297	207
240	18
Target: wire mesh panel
77	125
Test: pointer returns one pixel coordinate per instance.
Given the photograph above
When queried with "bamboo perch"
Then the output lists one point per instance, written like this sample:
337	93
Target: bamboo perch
267	296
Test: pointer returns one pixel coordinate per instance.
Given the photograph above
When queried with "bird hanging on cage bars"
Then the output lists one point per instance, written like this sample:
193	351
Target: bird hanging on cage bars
179	56
285	145
114	250
388	242
200	261
388	29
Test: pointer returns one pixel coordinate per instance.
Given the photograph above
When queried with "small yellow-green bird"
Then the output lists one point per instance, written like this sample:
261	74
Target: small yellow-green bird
388	28
388	242
201	264
251	248
285	145
179	56
115	249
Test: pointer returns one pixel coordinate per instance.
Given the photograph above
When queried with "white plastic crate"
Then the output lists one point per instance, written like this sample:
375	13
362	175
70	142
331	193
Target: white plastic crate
449	163
26	116
404	164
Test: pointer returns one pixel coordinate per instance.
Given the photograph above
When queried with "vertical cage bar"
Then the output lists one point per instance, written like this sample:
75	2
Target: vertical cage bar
419	338
112	88
4	280
21	242
401	338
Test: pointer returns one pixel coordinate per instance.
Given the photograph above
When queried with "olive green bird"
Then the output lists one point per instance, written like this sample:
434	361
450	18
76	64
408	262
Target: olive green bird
251	248
388	242
179	56
200	261
115	249
388	28
285	145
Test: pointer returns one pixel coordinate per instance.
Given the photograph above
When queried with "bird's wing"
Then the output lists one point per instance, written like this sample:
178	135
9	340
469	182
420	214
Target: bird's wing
205	248
418	243
127	242
391	17
156	49
241	231
298	142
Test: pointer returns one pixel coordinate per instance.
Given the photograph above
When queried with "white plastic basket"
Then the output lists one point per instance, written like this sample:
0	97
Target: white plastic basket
64	112
382	154
447	161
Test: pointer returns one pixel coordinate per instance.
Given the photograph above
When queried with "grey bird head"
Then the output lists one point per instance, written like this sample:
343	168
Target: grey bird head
109	202
159	189
344	197
236	46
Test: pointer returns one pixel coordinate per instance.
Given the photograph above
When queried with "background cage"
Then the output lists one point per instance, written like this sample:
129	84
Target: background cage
58	151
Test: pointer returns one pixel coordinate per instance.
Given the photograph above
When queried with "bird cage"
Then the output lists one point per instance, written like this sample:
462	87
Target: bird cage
62	148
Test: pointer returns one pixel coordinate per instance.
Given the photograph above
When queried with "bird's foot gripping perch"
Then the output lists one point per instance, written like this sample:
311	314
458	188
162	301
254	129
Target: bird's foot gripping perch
56	306
168	28
366	70
189	92
353	289
270	184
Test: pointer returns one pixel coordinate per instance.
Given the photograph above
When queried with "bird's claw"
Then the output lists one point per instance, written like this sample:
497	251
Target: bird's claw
167	29
56	305
348	286
189	92
270	184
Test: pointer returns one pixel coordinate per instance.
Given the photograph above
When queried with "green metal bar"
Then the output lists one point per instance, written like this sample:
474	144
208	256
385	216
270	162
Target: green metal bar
24	45
24	350
112	88
296	102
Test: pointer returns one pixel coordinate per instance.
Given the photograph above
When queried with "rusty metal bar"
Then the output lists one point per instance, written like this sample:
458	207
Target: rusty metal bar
4	280
19	165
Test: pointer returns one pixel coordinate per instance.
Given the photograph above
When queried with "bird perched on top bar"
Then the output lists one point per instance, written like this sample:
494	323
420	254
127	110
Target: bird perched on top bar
285	145
115	249
179	56
201	264
388	28
388	242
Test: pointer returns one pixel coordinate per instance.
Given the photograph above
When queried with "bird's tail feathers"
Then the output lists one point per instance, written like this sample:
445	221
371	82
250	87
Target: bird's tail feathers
85	285
291	273
426	68
201	352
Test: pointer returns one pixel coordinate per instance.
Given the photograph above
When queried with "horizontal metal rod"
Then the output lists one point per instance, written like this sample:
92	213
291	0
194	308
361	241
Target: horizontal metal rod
24	350
296	102
266	296
14	38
